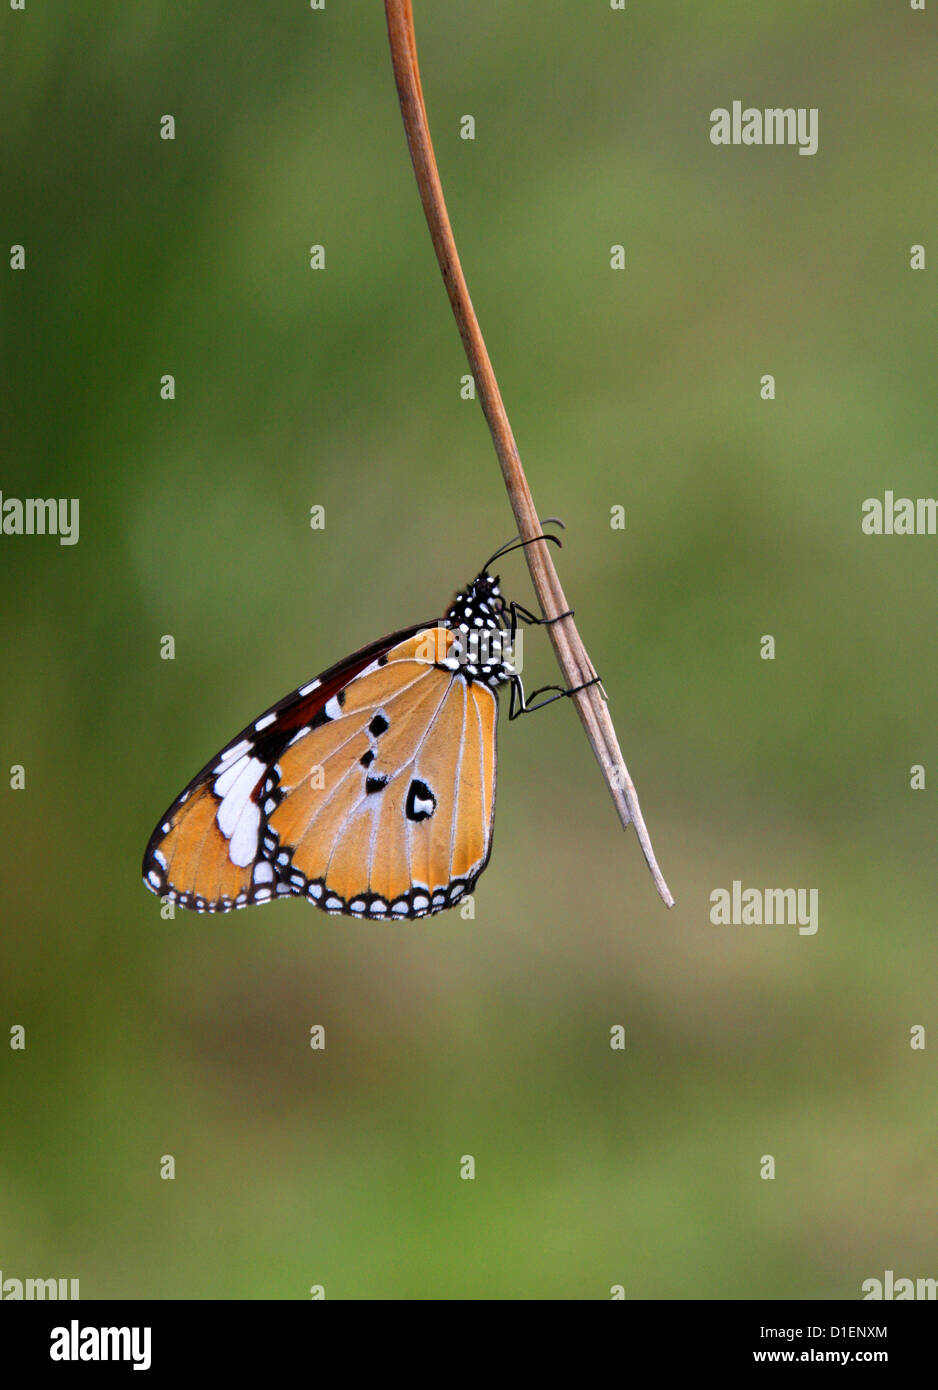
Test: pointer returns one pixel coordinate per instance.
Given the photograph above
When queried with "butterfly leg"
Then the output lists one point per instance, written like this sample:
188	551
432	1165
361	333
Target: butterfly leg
518	701
517	611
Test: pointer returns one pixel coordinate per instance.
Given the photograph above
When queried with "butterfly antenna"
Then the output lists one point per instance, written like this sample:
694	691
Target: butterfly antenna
516	544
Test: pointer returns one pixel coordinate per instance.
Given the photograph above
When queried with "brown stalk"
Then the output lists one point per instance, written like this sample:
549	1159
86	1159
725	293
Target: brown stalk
568	646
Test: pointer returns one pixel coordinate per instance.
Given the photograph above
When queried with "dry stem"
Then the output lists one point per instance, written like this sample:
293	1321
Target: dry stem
568	647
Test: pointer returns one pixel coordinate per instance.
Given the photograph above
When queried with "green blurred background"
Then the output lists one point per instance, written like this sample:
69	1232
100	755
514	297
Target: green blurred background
341	388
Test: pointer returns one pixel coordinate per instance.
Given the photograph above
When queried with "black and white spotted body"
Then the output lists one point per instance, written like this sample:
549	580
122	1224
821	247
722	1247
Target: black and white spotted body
479	616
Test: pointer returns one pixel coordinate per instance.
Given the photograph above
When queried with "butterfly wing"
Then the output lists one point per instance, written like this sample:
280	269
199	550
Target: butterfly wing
397	820
204	850
371	791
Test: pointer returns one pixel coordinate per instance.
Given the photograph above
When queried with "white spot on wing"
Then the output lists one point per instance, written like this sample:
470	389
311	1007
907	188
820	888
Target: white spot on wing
333	708
235	751
234	787
242	847
263	723
263	872
226	780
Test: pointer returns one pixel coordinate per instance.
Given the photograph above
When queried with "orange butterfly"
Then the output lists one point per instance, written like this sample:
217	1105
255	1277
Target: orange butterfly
370	790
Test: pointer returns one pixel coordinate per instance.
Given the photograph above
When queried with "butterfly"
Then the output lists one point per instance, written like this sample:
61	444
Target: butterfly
369	791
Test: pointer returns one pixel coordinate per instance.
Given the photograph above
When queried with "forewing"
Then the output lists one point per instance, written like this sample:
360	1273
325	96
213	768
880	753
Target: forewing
211	850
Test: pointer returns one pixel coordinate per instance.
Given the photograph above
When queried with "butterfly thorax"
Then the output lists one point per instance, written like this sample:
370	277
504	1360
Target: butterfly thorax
482	650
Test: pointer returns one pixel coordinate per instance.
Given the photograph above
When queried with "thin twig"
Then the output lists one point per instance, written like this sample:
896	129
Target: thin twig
568	647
